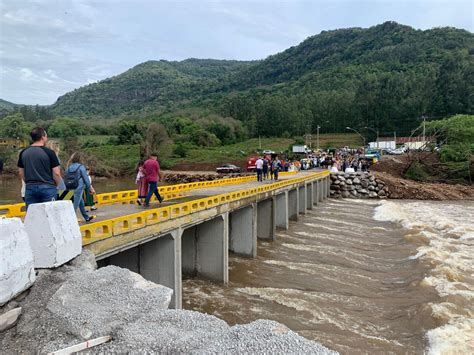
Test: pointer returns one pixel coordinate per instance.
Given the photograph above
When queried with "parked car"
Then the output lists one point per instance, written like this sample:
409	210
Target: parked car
228	168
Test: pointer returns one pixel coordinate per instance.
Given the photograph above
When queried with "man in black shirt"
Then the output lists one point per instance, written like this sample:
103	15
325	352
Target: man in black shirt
39	168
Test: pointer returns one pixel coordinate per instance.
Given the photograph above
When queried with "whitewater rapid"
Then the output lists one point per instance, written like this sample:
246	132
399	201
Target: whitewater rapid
444	235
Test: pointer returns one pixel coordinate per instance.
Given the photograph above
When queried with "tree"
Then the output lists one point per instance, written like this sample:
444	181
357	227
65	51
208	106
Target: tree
14	126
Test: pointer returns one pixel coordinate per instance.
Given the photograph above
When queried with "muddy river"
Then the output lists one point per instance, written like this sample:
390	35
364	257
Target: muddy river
359	276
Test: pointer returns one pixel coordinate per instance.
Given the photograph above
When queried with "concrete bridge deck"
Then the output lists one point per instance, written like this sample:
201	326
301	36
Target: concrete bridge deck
194	230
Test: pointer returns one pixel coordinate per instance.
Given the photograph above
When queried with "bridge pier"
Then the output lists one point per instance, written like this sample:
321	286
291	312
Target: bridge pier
128	259
309	196
266	216
328	186
160	262
293	204
302	199
205	250
321	190
243	231
282	219
315	192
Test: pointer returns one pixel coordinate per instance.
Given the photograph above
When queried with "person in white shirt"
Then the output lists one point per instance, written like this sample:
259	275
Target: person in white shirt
259	168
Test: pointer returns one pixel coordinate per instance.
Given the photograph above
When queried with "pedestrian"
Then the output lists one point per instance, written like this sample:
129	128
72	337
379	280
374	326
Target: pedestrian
276	167
141	182
153	175
54	146
90	198
259	168
38	167
265	169
76	179
271	169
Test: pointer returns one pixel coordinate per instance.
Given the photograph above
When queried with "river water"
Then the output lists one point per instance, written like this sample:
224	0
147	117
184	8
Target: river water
359	276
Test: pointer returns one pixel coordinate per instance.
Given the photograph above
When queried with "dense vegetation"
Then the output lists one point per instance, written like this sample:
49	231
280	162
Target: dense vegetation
385	77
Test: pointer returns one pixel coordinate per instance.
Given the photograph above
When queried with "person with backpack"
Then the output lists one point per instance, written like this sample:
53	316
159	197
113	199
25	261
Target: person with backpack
38	167
276	166
76	179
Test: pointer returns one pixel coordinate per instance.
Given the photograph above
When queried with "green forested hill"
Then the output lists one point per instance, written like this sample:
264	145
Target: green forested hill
384	77
153	85
6	107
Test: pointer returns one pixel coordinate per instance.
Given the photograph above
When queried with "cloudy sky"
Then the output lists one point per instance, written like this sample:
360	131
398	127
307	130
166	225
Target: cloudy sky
49	47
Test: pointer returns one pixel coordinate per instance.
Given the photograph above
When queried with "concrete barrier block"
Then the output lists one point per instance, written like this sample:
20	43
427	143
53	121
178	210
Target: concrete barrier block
54	233
16	259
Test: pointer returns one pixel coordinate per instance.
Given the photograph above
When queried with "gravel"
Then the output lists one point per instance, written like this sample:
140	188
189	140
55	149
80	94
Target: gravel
76	302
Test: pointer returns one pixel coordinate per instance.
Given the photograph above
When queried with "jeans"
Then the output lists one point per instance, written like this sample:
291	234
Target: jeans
259	174
152	189
40	193
79	202
275	173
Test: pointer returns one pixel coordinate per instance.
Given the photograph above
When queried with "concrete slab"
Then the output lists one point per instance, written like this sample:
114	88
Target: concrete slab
16	259
54	233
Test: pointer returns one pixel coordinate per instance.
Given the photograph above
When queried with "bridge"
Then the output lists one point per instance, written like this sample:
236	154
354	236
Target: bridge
199	223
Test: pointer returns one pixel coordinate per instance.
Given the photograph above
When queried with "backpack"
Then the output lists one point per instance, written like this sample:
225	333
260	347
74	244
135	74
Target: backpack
71	179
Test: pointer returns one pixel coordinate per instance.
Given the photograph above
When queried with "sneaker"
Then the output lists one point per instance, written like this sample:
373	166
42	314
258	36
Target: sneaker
93	208
139	203
91	218
161	200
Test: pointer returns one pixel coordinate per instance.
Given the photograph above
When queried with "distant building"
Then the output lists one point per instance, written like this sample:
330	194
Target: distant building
415	142
383	143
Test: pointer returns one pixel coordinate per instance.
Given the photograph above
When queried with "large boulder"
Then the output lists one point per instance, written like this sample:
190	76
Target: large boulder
95	303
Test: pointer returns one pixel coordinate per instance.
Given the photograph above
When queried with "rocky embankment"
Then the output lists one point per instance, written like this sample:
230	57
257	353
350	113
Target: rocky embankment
357	185
77	302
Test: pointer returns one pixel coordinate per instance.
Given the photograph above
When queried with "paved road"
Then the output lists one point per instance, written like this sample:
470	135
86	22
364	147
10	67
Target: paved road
116	210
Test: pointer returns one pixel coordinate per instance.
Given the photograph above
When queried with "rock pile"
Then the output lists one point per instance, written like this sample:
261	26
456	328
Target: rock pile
76	302
357	185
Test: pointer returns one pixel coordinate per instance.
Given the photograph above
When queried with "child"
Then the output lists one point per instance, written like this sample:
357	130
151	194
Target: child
89	198
141	182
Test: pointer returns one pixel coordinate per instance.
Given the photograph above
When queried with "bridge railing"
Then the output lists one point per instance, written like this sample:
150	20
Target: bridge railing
169	192
96	231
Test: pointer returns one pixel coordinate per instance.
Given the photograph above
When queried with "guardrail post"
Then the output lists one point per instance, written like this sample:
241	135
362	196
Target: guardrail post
282	218
302	199
266	228
160	262
243	231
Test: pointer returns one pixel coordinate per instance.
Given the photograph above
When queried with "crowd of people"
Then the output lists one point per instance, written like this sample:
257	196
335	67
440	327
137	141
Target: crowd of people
40	170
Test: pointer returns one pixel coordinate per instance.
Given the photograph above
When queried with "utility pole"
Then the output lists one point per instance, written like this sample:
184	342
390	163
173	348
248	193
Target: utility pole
395	138
424	127
317	136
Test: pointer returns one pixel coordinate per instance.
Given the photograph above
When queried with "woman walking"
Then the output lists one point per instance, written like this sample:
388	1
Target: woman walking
77	180
141	182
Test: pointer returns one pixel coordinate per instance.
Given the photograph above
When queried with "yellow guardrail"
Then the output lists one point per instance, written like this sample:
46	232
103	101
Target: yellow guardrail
96	231
169	192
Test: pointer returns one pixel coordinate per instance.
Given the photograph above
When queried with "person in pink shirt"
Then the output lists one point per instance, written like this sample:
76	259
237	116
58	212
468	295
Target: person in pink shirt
152	176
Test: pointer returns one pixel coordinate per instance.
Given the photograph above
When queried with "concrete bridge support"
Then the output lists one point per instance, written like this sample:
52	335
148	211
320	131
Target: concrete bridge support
128	259
302	199
293	205
315	193
321	190
282	215
266	219
328	186
309	196
205	250
160	262
243	231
